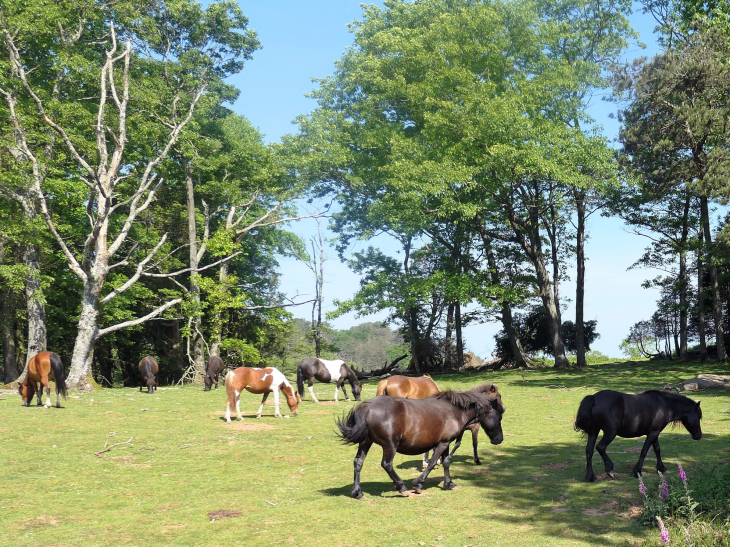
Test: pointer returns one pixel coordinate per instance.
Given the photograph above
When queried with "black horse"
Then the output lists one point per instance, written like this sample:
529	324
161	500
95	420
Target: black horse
149	368
627	415
212	371
413	426
322	370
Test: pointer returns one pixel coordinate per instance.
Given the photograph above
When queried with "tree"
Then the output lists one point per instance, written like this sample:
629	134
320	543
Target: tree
177	57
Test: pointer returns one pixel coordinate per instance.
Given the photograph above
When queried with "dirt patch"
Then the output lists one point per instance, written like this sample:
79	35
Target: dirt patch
483	472
559	465
318	412
539	476
633	512
604	510
328	403
221	514
40	520
250	426
559	509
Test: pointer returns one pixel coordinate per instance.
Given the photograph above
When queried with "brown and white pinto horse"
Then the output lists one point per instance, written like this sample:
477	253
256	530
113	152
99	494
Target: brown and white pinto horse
212	371
259	380
149	368
322	370
44	366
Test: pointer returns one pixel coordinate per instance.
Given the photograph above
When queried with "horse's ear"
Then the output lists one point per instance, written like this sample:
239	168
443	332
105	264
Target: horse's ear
697	406
493	389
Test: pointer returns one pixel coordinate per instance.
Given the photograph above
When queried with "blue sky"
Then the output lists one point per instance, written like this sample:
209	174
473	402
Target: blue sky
301	40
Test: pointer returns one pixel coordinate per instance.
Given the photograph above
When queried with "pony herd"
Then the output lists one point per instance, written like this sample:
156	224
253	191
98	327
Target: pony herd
413	416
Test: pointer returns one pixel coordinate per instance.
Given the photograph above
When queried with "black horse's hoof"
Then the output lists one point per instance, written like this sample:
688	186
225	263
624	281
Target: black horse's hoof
417	490
591	479
662	469
477	462
357	495
450	486
611	474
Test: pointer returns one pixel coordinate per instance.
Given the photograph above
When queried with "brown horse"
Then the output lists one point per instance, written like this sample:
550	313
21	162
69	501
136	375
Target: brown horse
408	388
259	380
148	367
212	371
414	426
322	370
44	366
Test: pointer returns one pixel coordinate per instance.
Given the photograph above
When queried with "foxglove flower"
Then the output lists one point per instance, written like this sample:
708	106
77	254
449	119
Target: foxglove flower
663	531
642	488
682	474
663	487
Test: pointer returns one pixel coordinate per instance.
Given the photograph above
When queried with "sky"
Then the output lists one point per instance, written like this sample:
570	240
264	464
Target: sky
301	40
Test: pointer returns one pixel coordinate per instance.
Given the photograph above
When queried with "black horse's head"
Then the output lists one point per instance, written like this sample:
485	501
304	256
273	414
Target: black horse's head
491	420
691	421
208	381
356	389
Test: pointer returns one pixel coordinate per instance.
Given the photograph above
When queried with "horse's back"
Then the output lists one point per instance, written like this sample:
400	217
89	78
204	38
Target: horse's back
148	364
630	415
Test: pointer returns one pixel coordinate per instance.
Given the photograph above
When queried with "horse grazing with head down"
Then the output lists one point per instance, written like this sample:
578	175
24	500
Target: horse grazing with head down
626	415
42	368
149	368
414	426
212	371
259	380
322	370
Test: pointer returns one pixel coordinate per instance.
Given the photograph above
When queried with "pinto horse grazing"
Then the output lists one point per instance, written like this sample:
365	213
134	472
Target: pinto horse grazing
414	426
44	366
212	371
628	416
259	380
312	368
148	367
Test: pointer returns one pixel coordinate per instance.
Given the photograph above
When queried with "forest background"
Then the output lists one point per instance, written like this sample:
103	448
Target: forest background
141	213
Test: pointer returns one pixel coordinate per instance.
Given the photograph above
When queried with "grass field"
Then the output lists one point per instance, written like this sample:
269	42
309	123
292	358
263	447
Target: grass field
290	479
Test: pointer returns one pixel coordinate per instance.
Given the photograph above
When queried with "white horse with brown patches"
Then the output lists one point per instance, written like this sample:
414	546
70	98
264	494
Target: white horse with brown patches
259	380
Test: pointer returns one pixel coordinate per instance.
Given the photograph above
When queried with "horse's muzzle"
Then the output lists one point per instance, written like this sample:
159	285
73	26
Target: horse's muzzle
697	436
498	439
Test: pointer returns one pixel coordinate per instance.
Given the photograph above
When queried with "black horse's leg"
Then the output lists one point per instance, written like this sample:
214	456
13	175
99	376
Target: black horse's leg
362	452
40	393
437	452
659	463
590	445
446	462
216	380
474	442
650	439
608	437
387	464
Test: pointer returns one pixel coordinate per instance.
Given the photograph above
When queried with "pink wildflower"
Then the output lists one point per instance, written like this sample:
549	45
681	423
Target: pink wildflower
642	488
682	474
663	531
663	487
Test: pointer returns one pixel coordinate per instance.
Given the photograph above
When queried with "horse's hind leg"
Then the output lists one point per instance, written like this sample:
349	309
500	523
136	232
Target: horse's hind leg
475	444
39	392
608	437
47	386
311	391
590	446
362	451
659	463
387	464
650	439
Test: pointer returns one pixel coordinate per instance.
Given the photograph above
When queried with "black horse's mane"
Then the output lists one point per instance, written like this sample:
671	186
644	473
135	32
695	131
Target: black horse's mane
674	398
467	399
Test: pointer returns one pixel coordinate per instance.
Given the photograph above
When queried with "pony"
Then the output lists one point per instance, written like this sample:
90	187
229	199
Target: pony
413	426
148	367
628	416
212	371
42	368
259	380
325	371
408	388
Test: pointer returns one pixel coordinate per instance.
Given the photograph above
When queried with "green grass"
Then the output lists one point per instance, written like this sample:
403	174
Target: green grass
291	479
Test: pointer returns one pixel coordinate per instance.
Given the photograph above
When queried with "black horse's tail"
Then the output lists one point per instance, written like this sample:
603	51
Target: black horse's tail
57	369
300	380
584	418
353	427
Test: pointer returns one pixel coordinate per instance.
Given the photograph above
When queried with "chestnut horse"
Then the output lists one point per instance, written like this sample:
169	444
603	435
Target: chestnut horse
322	370
149	368
212	371
414	426
259	380
44	366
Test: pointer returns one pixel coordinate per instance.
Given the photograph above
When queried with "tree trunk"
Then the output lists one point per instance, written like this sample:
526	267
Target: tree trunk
701	300
35	302
80	376
8	336
195	337
448	342
217	327
412	312
459	338
716	299
683	280
580	281
516	346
